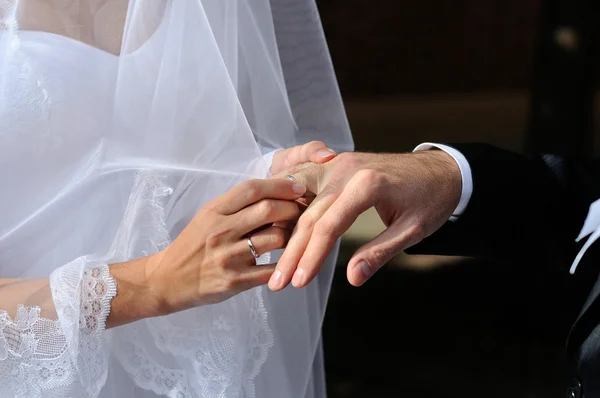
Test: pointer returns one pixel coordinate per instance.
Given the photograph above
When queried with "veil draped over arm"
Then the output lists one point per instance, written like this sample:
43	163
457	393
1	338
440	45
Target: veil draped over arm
119	119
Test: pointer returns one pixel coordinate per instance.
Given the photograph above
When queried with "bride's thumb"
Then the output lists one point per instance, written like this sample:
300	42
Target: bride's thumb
369	258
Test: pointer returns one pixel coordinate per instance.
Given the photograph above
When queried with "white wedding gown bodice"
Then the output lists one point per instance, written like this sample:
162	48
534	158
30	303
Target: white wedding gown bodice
57	127
105	158
55	122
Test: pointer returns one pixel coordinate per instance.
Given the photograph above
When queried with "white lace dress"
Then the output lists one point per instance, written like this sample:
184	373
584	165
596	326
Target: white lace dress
39	356
105	158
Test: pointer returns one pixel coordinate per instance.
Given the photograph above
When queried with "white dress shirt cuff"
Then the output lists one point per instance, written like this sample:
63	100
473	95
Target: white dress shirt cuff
465	172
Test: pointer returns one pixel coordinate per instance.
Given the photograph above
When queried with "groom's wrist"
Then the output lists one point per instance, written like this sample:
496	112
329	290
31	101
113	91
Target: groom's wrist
465	173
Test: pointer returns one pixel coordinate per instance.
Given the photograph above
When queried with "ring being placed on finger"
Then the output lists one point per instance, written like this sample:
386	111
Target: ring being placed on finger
290	177
252	248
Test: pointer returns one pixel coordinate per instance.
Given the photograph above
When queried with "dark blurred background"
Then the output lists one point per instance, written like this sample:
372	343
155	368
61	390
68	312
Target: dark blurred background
516	74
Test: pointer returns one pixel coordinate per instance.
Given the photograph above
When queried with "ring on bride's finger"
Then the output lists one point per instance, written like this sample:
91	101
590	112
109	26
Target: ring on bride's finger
252	248
290	177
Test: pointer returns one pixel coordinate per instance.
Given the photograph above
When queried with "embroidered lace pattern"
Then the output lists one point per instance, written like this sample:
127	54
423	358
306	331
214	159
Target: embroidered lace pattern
40	357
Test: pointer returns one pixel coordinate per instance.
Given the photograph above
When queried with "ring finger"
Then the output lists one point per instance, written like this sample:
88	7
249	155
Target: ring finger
263	241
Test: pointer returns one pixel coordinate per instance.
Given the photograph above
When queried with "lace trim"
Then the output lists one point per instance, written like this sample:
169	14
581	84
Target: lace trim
147	373
8	20
221	357
225	354
83	322
262	336
99	290
33	353
36	354
216	350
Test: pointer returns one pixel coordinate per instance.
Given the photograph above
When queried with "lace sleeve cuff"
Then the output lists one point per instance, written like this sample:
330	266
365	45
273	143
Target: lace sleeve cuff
82	294
40	356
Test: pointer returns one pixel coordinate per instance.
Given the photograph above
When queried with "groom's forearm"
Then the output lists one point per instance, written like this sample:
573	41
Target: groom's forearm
519	206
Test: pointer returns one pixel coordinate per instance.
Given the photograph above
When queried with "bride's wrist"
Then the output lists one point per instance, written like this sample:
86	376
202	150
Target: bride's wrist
165	284
158	284
136	297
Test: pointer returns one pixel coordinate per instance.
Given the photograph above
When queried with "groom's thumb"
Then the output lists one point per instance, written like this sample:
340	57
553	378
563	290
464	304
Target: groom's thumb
372	256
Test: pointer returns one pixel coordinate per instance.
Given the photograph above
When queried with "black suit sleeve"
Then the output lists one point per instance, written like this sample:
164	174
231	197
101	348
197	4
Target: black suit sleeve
532	207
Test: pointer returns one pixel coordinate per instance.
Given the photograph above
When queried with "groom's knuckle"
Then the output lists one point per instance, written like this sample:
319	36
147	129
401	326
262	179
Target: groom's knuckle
306	222
378	256
345	158
348	160
368	178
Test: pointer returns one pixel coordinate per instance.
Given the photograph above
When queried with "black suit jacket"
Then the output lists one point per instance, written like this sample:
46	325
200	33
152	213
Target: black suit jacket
534	208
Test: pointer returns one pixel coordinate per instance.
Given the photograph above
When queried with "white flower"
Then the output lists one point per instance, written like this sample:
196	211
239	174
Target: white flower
26	317
221	323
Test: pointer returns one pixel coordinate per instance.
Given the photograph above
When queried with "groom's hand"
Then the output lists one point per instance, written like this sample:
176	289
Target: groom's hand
313	152
414	194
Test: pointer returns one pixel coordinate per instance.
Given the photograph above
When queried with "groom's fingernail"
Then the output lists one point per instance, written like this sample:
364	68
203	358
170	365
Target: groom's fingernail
362	271
299	189
275	280
325	153
298	277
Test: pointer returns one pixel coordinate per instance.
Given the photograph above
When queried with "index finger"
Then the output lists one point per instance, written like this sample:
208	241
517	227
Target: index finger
286	266
310	176
252	191
354	200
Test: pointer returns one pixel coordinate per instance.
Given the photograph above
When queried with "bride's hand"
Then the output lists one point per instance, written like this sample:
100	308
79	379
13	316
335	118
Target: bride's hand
313	152
211	260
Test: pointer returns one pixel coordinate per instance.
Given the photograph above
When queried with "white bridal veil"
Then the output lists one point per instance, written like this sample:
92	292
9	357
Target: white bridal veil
119	119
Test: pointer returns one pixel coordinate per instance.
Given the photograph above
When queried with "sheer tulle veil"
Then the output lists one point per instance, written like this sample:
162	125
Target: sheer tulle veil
119	119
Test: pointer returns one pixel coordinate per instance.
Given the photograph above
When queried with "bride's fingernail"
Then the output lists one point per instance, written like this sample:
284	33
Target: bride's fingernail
298	277
299	189
325	153
275	280
362	271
